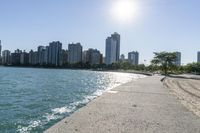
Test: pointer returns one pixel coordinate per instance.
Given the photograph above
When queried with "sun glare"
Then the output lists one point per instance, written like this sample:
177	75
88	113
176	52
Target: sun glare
124	10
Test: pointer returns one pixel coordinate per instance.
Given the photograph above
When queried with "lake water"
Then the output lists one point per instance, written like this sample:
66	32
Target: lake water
32	100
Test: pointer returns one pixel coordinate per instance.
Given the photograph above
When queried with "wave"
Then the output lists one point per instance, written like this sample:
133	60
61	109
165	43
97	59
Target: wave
61	112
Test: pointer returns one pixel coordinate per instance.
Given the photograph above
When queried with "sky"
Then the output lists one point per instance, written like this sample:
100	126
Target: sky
158	25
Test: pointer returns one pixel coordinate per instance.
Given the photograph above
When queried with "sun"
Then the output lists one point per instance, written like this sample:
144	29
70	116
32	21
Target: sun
124	10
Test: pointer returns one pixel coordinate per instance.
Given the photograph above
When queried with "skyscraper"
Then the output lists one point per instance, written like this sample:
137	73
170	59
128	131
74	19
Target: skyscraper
133	57
55	53
116	37
6	57
46	55
112	49
64	57
41	53
198	56
74	53
84	56
30	59
24	58
0	49
15	57
178	59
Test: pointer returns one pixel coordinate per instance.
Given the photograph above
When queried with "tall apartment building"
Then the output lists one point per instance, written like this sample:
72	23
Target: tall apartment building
15	57
46	55
96	57
178	59
122	57
6	58
198	56
24	58
84	56
64	57
133	57
55	53
112	49
41	50
116	37
0	49
92	56
74	53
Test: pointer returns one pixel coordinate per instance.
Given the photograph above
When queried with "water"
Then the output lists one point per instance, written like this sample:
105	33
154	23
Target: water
32	100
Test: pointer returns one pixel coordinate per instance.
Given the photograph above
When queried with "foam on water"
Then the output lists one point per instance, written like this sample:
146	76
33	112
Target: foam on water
59	113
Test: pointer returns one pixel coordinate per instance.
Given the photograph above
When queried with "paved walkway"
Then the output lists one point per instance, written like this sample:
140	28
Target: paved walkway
142	106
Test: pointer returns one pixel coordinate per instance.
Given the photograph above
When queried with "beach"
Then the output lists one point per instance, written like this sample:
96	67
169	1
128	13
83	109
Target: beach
142	106
187	91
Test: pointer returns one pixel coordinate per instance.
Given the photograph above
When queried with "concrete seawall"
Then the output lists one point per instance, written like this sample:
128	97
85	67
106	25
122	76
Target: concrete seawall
143	106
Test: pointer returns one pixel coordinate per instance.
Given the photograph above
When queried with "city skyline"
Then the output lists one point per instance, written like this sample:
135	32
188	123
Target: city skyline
165	25
112	46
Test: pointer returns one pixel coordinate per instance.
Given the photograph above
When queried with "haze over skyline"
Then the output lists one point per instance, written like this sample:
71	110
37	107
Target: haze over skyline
159	25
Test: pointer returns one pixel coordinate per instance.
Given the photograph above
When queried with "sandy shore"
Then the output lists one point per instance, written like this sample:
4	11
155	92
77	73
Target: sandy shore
187	92
143	106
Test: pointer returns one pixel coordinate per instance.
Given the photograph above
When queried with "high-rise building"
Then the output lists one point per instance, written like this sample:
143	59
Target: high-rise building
64	57
15	57
112	49
55	53
198	56
46	55
18	51
84	56
93	56
30	59
74	53
33	58
116	37
122	57
133	57
96	57
0	49
41	52
178	59
6	57
24	58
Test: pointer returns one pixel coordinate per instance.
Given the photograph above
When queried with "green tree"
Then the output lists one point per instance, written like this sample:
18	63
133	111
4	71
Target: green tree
165	60
193	68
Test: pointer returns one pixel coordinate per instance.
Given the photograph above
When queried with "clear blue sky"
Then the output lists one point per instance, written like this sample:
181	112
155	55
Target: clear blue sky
162	25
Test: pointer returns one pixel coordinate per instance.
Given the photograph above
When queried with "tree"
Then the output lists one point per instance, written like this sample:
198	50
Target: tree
165	60
193	68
